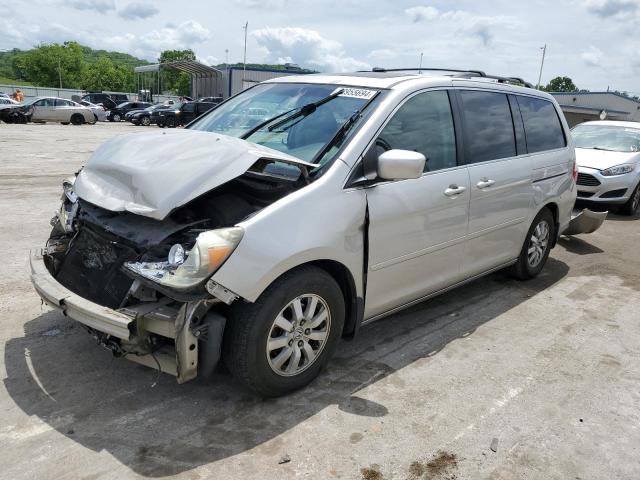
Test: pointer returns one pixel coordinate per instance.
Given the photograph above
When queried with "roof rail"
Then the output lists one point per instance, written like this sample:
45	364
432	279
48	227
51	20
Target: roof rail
457	73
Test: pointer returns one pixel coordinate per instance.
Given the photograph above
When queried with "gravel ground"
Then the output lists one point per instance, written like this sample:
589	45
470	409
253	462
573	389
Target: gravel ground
498	379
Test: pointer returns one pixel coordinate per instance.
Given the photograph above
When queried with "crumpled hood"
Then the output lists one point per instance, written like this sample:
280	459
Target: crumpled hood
151	174
601	159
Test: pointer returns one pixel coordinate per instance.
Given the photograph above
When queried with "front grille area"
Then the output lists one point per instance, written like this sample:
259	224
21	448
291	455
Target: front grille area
91	268
585	194
587	180
614	193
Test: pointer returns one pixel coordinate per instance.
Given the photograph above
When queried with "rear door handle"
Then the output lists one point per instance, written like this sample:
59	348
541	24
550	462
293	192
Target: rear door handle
454	190
484	183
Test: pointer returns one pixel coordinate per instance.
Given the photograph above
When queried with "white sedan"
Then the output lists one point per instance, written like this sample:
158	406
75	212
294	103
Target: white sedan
608	157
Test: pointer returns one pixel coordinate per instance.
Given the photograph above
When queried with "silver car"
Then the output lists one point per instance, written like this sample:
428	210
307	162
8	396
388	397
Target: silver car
52	109
263	240
608	156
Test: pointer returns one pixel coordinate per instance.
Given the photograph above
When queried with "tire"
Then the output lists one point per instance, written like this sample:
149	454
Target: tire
145	121
64	123
77	119
270	372
631	207
116	117
95	119
160	124
170	122
530	264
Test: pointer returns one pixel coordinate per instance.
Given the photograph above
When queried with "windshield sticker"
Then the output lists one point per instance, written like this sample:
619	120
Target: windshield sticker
362	93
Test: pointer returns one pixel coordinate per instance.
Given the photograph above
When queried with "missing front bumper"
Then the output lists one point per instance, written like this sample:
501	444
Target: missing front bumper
585	221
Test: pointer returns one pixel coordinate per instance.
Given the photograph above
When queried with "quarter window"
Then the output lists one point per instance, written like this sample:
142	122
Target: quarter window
488	126
424	124
542	127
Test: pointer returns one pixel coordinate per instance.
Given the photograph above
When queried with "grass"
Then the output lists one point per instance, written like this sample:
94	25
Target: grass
11	81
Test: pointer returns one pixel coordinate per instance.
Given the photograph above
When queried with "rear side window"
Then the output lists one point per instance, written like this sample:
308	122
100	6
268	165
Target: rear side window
542	126
488	126
424	124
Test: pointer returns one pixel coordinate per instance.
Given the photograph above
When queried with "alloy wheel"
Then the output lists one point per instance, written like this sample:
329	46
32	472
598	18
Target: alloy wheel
298	335
538	244
636	200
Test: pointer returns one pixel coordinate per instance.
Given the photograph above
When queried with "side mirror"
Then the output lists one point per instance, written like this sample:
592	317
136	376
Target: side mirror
400	165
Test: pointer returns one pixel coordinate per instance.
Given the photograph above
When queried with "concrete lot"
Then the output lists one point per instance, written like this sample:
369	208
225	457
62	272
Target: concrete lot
547	372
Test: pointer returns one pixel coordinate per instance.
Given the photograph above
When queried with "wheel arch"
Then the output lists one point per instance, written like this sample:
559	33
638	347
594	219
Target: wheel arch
555	211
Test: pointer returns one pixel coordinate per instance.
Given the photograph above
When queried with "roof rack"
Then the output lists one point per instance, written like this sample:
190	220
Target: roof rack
459	74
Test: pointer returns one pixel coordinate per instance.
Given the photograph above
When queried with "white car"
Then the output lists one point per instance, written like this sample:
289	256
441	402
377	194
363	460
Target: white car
98	110
608	156
52	109
7	101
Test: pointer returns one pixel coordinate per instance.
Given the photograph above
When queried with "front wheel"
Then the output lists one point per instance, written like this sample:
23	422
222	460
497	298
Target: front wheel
631	207
145	121
116	117
170	122
281	342
536	248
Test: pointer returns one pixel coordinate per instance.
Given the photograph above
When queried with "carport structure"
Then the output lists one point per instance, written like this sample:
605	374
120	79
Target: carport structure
205	80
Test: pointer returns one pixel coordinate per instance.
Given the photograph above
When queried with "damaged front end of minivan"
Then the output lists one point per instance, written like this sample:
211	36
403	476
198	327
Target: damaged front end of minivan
139	233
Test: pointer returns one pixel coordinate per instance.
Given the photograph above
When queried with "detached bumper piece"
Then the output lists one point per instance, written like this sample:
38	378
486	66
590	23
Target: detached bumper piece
585	221
128	328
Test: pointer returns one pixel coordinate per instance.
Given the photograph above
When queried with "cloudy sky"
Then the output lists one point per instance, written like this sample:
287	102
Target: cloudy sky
595	42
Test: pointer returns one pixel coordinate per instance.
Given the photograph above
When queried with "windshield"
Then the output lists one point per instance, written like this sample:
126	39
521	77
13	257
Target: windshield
603	137
303	136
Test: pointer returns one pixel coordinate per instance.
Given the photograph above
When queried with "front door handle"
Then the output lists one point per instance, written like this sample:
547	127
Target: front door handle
454	190
485	183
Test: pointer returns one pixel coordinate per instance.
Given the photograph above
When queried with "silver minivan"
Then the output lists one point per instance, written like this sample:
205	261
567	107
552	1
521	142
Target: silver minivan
261	240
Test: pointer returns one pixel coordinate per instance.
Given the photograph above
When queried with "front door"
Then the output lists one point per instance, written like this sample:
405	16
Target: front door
43	110
417	228
501	188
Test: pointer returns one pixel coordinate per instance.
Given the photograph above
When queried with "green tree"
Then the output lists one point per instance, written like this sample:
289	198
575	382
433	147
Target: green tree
561	84
50	64
173	80
104	75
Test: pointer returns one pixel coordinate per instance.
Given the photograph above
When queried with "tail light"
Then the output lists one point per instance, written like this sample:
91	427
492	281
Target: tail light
574	174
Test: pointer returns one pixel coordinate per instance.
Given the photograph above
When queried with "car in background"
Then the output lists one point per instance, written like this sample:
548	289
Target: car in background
99	112
7	101
211	99
143	117
608	157
48	109
185	113
107	100
117	114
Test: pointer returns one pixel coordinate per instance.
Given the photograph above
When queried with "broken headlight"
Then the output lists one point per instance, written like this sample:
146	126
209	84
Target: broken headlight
185	270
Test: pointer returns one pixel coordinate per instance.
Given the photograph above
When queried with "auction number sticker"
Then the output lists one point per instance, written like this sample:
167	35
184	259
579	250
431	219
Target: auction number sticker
362	93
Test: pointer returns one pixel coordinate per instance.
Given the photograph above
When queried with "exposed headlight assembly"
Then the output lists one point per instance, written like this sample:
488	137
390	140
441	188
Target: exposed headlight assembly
617	170
183	270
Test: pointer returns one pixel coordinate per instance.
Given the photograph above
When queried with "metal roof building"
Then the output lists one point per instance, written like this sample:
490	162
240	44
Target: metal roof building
581	107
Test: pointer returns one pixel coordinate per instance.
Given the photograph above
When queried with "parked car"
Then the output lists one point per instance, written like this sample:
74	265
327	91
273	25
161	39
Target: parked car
117	114
357	197
608	155
215	100
182	114
143	117
48	109
107	100
7	101
99	112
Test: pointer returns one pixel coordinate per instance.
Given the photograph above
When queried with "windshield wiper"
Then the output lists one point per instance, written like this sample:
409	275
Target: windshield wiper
303	111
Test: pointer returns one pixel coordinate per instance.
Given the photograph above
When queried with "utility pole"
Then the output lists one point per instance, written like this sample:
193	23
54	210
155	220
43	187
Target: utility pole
420	69
244	61
544	52
59	73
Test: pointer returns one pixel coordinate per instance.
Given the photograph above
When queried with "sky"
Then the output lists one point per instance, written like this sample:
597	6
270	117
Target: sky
595	42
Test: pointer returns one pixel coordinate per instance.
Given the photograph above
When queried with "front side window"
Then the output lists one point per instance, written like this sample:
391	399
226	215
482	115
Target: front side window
189	107
488	126
542	127
609	138
278	116
423	124
45	102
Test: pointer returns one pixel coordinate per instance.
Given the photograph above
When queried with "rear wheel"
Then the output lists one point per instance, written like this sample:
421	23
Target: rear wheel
77	119
281	342
170	122
146	121
631	207
116	117
536	248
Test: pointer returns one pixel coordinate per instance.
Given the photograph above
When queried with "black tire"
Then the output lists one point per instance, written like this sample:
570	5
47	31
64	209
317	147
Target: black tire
64	123
160	124
523	269
170	122
250	325
631	207
77	119
145	121
116	117
95	119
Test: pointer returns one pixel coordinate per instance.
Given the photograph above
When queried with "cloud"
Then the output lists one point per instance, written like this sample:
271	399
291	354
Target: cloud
138	10
613	8
422	13
592	57
261	4
100	6
305	47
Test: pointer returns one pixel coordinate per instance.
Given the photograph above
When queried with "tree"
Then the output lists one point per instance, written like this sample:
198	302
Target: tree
561	84
49	64
105	75
173	80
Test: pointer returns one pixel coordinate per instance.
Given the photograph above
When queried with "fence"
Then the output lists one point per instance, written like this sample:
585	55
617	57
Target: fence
69	93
